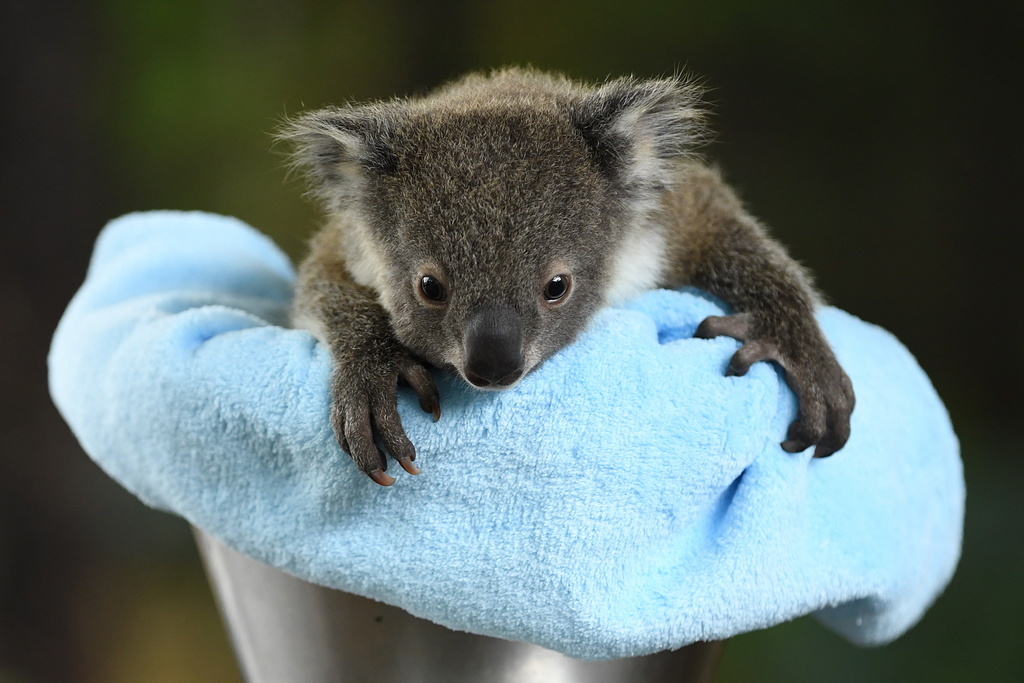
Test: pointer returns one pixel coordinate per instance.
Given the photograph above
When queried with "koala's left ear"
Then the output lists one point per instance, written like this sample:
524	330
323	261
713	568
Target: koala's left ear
637	128
338	148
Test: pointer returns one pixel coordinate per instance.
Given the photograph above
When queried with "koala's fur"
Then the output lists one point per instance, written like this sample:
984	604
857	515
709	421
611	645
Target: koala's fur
496	184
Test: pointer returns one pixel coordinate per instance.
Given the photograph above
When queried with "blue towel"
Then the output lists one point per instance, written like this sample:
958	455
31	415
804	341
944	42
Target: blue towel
625	498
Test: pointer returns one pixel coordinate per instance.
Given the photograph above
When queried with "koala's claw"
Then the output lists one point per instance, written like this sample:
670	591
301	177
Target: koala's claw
364	410
381	477
418	377
803	434
826	401
823	390
408	466
736	326
748	354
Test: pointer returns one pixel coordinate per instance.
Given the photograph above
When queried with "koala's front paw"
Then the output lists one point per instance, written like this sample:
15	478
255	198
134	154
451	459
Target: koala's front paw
364	404
823	390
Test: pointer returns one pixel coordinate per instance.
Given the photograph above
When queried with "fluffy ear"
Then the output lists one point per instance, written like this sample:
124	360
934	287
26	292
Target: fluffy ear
637	128
338	148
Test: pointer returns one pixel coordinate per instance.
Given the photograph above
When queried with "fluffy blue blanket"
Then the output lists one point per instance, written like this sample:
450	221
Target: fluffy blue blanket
627	497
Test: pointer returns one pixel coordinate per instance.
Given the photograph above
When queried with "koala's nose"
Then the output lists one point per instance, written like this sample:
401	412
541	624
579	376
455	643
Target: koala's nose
494	347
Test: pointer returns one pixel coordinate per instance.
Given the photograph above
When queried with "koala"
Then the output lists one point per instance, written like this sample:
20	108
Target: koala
479	228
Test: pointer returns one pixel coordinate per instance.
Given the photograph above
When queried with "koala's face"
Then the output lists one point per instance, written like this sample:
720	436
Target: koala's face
494	229
494	217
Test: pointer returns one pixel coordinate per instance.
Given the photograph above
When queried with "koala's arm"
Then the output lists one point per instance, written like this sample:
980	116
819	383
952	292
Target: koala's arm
714	244
367	359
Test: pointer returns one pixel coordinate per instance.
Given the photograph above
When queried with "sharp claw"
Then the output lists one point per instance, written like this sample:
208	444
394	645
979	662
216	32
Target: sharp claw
381	477
793	446
823	451
703	331
733	371
829	445
408	465
432	406
736	326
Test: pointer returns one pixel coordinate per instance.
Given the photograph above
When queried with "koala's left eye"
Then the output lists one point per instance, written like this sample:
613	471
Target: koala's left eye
557	288
432	289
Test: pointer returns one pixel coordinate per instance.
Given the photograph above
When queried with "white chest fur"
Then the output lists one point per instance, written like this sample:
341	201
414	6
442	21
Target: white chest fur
639	265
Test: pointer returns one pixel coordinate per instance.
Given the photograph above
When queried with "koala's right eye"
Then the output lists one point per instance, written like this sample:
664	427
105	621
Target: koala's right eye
432	289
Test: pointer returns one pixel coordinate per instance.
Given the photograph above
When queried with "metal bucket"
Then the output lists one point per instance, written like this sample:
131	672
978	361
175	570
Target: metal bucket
286	630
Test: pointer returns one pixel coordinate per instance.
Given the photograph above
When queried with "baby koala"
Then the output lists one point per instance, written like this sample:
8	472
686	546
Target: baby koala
479	229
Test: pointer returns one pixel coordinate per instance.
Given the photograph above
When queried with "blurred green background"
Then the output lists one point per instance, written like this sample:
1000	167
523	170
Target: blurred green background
881	141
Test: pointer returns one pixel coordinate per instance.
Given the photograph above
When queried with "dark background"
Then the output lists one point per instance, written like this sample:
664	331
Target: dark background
881	141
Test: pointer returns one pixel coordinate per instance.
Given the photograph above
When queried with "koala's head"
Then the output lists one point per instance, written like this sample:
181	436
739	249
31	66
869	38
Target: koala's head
489	216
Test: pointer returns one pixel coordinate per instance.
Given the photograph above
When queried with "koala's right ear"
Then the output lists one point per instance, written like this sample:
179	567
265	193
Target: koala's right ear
338	148
636	128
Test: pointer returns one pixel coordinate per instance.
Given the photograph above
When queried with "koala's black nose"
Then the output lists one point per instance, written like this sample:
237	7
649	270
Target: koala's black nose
494	347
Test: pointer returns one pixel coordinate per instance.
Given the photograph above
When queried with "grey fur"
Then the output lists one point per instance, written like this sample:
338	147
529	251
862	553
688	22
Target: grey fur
492	186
